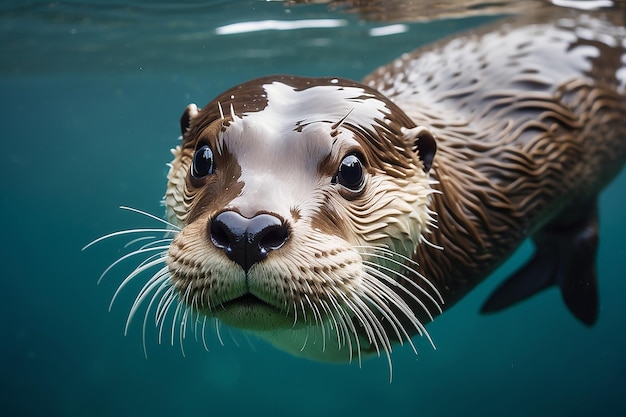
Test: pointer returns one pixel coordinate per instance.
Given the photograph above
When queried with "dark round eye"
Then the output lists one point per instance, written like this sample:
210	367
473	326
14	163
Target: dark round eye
350	173
203	163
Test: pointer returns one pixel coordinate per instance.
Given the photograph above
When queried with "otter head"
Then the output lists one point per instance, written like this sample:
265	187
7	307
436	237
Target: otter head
300	203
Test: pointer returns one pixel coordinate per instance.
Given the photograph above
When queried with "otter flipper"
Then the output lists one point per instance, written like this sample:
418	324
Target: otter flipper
565	256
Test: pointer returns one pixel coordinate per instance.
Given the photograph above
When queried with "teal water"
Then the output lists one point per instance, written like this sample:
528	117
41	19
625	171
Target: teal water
91	94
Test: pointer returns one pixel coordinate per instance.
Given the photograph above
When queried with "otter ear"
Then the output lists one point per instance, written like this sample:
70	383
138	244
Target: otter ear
423	143
185	121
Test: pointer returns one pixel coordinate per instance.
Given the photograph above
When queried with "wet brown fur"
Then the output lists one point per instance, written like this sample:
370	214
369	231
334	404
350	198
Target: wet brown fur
518	146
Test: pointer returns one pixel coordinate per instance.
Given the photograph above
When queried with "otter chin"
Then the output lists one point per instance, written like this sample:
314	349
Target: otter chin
251	313
336	218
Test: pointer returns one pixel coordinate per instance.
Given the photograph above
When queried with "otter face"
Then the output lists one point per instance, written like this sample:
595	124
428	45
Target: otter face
300	203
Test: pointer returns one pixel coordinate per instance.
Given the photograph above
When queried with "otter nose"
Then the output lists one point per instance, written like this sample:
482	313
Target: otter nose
247	241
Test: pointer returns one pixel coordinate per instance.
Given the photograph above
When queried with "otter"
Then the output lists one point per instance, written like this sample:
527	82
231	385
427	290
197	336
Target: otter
335	218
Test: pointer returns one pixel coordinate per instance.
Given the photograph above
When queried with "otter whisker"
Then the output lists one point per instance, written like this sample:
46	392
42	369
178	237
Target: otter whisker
295	315
125	232
380	272
165	283
404	308
156	242
139	239
369	331
389	255
318	321
377	271
164	305
147	263
365	302
341	330
154	245
203	333
380	298
161	306
177	308
156	260
303	310
185	301
194	320
192	303
346	321
293	304
350	337
379	330
217	331
204	299
315	320
329	313
153	217
182	330
342	317
306	339
389	296
176	320
155	281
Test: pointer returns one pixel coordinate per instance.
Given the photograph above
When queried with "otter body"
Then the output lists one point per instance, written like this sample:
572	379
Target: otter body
530	121
335	218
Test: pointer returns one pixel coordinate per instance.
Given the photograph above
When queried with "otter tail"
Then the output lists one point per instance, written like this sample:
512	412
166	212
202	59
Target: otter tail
565	256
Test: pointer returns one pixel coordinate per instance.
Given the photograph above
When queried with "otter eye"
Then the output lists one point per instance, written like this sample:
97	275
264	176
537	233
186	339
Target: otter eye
203	163
350	173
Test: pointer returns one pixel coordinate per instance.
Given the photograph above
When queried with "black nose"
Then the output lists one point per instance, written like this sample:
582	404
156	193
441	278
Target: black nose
247	241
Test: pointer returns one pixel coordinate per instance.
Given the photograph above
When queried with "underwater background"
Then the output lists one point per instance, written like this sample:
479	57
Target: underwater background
91	94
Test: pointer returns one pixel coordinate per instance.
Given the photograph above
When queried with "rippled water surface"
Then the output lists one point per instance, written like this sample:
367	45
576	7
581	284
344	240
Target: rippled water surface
91	95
